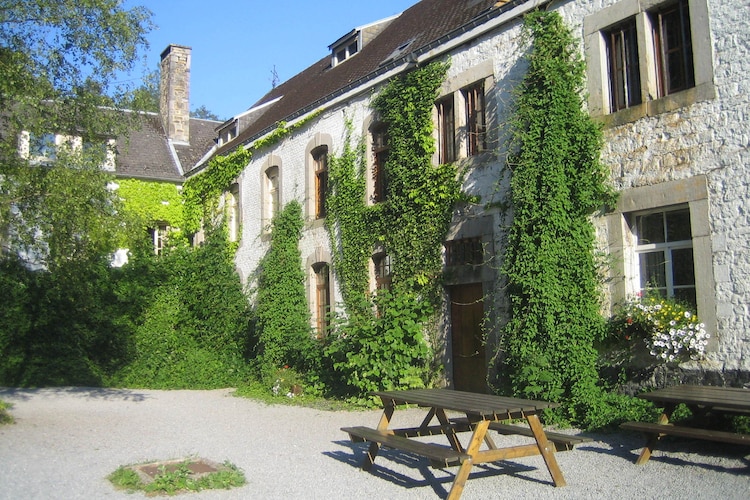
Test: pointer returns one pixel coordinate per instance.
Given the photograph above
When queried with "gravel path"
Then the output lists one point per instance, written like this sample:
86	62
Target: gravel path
67	440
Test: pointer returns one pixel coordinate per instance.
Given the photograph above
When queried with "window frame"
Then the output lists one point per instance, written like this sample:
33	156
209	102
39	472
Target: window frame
446	129
380	150
319	158
596	25
666	248
476	118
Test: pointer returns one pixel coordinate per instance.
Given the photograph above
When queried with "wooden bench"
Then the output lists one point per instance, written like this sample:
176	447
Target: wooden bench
688	432
562	442
439	456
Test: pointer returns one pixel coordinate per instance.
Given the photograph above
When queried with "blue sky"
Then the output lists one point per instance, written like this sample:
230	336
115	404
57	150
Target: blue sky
238	44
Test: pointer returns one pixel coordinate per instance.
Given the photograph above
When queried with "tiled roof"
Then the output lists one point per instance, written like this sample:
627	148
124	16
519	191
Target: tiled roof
423	24
145	153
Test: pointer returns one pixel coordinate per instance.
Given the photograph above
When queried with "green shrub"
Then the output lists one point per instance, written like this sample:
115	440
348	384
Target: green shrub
283	336
384	350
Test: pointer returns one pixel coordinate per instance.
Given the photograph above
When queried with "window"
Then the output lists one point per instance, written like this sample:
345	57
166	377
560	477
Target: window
320	165
158	236
476	126
272	193
42	146
664	250
233	213
322	298
345	49
446	130
382	264
464	251
639	52
380	156
673	47
624	70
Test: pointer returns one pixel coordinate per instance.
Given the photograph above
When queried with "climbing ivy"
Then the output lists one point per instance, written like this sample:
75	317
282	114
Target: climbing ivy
151	201
283	335
557	183
201	192
414	219
347	214
388	349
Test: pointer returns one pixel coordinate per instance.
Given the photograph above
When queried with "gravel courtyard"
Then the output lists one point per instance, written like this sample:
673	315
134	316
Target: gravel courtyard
67	440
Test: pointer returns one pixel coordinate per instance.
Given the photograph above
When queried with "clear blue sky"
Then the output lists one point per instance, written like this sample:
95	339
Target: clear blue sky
237	44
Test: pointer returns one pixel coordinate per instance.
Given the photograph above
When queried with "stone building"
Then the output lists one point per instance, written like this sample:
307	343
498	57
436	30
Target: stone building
666	78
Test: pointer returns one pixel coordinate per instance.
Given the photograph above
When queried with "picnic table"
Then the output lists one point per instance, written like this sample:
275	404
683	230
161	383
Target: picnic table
482	412
701	400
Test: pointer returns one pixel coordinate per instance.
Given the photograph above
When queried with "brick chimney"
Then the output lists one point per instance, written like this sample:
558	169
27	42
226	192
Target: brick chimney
174	90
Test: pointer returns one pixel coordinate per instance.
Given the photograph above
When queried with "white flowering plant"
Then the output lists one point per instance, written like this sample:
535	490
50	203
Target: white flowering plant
670	330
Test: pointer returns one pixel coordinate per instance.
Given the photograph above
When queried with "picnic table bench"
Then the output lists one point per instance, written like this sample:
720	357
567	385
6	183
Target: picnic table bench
482	411
701	400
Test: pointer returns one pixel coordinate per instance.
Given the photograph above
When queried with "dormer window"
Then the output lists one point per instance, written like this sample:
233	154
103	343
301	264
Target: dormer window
228	133
345	48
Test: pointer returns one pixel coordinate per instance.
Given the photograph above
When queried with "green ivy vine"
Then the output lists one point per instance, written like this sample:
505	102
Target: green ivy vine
149	202
388	349
201	192
557	183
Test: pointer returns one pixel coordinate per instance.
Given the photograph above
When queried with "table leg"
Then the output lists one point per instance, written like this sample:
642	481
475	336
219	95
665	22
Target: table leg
385	420
450	432
477	437
654	438
547	450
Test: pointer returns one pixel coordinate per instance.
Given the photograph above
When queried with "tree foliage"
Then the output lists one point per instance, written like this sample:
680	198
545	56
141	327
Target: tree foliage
557	183
58	60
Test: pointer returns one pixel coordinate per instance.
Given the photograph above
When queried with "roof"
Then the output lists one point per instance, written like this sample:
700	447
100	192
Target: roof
424	24
147	154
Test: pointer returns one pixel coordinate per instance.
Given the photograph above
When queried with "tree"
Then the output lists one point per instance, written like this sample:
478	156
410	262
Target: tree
557	183
58	61
146	97
204	113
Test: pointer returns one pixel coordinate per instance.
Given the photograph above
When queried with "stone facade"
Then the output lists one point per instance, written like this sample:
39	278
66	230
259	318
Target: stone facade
688	149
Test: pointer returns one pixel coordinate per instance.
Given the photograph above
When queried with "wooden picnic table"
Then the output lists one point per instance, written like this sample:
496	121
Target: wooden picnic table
701	400
482	412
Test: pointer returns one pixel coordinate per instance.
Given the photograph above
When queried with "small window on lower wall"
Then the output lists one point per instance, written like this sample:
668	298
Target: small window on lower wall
464	251
382	264
664	251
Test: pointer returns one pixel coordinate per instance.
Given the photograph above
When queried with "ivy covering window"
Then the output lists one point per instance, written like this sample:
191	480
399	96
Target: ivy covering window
233	212
674	48
476	125
665	253
320	162
624	70
382	263
446	130
380	156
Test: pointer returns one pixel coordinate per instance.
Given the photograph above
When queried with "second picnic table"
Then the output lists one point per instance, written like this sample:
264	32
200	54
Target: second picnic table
481	412
700	400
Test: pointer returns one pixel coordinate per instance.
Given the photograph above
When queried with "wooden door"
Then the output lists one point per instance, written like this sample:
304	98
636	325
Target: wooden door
467	342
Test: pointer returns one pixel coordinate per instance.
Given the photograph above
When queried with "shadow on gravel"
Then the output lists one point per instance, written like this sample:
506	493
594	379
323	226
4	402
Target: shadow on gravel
425	475
97	393
628	447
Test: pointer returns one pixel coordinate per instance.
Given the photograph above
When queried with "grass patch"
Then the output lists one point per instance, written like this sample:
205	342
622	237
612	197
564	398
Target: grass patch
263	393
174	477
5	416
